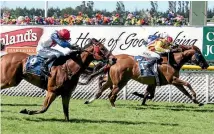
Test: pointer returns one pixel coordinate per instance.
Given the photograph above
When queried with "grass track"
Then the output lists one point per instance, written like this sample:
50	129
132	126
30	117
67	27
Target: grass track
99	118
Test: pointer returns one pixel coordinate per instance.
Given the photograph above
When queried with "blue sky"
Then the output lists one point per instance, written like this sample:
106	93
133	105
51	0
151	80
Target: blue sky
108	5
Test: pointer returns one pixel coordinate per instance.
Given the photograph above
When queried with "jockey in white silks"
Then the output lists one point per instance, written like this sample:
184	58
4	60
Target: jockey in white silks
54	46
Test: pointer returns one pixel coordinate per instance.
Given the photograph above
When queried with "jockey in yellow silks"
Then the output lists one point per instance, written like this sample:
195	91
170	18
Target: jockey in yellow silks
154	48
159	45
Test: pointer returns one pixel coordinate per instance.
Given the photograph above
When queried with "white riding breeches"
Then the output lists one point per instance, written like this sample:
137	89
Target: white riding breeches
60	51
63	50
150	55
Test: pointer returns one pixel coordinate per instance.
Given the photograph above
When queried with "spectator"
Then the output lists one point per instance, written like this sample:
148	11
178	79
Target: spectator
98	19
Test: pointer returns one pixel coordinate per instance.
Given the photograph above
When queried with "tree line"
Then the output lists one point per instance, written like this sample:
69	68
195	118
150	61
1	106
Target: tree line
178	7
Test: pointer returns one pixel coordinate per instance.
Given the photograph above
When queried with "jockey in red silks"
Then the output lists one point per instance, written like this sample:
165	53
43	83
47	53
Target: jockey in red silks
54	46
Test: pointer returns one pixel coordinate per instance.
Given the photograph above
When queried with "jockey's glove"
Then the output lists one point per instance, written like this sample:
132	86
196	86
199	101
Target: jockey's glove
167	51
75	48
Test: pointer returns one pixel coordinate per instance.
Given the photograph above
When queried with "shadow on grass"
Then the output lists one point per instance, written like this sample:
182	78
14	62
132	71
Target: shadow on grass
181	107
173	108
92	121
20	105
7	111
177	107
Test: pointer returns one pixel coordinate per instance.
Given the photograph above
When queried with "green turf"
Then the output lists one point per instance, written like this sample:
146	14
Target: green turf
99	118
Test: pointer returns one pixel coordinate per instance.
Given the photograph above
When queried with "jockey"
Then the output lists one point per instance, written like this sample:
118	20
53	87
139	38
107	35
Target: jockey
160	45
54	46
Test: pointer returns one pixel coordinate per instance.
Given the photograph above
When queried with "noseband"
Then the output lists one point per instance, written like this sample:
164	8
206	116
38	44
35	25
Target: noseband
97	52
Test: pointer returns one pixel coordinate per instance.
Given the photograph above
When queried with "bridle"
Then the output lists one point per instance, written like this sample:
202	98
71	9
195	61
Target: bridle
197	58
97	53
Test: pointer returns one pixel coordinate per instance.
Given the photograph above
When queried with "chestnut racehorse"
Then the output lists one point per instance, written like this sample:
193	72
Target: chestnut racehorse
64	77
126	68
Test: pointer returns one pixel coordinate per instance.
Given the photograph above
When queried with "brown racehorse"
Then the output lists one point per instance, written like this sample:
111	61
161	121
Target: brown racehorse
126	68
63	79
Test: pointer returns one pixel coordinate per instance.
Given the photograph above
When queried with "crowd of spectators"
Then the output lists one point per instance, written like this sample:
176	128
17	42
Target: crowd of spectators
98	19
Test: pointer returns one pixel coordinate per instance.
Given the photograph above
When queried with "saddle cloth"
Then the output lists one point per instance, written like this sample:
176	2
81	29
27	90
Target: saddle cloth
34	64
144	70
142	63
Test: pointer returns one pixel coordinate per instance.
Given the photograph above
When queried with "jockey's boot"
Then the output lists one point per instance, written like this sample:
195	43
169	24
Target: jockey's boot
149	69
45	65
151	63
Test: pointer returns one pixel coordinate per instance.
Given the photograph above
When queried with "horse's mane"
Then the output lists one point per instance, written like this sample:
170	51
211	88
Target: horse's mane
184	47
62	59
172	57
91	41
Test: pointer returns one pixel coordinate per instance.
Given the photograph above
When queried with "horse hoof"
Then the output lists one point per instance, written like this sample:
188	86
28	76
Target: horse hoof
200	104
30	112
144	105
113	107
86	102
24	111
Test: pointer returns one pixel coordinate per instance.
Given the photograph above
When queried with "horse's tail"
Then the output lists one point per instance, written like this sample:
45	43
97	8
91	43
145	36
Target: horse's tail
12	69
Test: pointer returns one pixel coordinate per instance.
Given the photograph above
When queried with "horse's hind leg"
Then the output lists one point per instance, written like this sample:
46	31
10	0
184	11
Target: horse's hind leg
4	85
50	97
149	90
11	83
10	77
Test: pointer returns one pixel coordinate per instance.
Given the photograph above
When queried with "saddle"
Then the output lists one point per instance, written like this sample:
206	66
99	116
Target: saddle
145	70
33	66
35	62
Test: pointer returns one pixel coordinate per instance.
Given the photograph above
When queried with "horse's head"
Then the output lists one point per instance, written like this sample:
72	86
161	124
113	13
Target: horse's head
197	57
99	51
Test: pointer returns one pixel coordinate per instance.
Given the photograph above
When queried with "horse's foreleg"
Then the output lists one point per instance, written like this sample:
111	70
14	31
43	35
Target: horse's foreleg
65	103
50	97
99	92
176	81
115	91
113	95
183	90
101	81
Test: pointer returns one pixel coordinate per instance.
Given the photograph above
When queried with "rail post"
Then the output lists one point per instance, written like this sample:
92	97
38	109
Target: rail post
207	88
170	93
125	91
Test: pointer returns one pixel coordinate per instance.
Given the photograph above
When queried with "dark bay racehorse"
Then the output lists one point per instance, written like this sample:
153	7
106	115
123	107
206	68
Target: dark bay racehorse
126	68
63	79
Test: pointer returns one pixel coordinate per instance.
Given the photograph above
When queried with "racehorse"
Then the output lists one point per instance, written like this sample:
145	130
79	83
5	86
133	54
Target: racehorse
127	68
64	77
